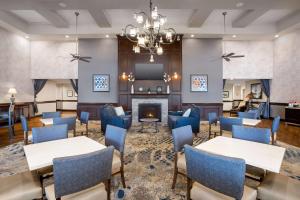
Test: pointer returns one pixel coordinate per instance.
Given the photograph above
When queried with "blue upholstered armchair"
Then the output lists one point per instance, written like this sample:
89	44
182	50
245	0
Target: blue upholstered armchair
108	116
176	120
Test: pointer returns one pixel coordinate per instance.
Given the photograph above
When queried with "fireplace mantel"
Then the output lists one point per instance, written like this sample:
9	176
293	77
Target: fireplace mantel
151	95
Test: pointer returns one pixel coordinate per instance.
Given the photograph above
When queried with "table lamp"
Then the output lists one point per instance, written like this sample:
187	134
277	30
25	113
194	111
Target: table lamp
12	91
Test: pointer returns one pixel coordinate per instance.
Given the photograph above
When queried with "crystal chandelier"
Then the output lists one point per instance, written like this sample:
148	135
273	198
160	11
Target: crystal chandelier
149	33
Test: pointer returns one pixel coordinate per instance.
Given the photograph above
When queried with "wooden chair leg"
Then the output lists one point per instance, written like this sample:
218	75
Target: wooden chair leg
209	131
123	178
107	188
188	189
87	130
175	171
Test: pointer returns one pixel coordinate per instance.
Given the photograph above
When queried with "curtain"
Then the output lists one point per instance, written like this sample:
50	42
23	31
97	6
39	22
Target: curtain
74	83
224	82
265	86
38	85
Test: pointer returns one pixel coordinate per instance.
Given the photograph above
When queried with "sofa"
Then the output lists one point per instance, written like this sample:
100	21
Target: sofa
108	115
175	119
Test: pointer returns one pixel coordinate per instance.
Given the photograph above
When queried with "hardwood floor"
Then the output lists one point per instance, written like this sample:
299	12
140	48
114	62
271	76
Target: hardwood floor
287	133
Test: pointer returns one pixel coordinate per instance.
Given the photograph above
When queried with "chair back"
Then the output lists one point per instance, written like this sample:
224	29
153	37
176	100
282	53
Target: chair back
220	173
195	112
115	136
24	123
84	117
249	115
182	136
46	115
44	134
70	121
90	170
212	118
275	124
226	123
261	135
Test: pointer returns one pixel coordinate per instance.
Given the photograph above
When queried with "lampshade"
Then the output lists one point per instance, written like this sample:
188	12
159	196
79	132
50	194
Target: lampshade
12	91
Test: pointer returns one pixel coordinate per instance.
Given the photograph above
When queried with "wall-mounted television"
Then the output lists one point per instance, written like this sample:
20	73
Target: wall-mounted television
149	71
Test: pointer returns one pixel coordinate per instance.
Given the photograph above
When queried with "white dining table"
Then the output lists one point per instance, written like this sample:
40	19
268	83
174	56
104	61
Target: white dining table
47	121
41	155
264	156
251	122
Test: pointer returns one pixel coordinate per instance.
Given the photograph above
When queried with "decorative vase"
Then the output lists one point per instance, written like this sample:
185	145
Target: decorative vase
168	89
132	89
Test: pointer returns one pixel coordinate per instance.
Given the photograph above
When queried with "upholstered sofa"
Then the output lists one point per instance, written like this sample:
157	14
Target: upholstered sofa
175	119
108	115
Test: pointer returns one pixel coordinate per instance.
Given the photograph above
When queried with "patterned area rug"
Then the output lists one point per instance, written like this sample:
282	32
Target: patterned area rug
149	163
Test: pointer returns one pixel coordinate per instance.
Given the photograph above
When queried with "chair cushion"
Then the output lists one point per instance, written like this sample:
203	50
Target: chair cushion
279	187
181	163
116	163
200	192
21	186
97	192
119	111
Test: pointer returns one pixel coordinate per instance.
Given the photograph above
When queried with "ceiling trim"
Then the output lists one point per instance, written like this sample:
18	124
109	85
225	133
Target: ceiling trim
99	17
198	17
246	18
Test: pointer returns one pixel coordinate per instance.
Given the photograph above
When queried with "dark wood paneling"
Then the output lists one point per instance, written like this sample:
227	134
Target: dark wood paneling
172	61
92	108
206	108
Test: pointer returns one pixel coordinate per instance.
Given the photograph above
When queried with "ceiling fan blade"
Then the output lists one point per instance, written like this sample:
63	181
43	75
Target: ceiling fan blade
230	54
84	60
227	59
86	57
237	56
73	59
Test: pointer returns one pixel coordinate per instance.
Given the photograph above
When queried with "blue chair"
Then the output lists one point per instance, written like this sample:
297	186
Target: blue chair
261	135
275	127
7	120
248	115
49	133
176	120
181	136
115	136
215	176
84	119
70	121
258	110
46	115
27	133
212	119
80	177
226	123
108	116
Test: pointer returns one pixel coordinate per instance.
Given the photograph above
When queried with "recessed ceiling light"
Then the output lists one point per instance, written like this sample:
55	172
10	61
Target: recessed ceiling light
239	4
234	36
67	36
192	35
27	37
276	36
107	36
62	4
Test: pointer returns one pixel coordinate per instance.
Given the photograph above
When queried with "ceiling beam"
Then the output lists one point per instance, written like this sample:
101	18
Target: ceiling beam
288	22
248	17
198	17
12	22
53	17
99	17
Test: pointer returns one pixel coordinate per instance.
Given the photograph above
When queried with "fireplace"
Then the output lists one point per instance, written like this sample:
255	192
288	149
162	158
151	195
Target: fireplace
149	110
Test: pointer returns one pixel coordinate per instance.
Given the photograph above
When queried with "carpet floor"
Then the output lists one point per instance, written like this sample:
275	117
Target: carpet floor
148	163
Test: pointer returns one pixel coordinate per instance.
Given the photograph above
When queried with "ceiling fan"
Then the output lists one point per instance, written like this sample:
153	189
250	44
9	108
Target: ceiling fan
76	56
228	56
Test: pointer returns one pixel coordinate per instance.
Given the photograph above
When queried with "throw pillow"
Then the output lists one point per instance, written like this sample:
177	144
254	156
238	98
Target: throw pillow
119	111
187	113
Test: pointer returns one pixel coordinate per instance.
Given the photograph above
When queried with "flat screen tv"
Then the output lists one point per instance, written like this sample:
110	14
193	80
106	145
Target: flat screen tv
149	71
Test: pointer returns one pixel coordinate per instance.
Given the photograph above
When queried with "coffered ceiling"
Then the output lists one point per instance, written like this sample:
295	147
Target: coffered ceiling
248	19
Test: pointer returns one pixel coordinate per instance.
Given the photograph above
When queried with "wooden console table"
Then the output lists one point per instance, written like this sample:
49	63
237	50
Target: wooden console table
292	115
19	109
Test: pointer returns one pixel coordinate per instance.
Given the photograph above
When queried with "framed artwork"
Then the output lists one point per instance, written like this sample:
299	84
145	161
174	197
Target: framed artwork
101	82
225	94
256	90
69	93
199	83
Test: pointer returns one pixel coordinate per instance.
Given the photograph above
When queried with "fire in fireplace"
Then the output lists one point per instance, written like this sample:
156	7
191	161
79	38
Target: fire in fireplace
150	110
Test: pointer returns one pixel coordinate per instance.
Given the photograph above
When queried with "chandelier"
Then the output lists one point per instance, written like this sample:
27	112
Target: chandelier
149	33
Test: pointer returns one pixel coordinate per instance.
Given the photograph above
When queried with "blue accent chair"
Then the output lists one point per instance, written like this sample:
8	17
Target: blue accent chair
7	120
81	177
177	120
181	136
258	110
108	116
25	127
261	135
84	119
212	119
46	115
115	136
49	133
248	115
275	127
70	121
215	176
227	122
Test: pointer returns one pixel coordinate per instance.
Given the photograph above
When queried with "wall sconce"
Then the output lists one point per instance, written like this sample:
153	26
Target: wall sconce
175	76
124	76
